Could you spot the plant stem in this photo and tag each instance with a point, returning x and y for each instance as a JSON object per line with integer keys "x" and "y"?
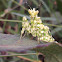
{"x": 22, "y": 21}
{"x": 18, "y": 54}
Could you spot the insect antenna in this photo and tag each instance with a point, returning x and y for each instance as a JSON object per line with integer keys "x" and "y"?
{"x": 28, "y": 5}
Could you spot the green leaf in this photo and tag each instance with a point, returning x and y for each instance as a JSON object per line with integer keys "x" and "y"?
{"x": 52, "y": 53}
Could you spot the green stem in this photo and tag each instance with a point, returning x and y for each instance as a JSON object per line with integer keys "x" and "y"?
{"x": 18, "y": 54}
{"x": 6, "y": 20}
{"x": 53, "y": 25}
{"x": 50, "y": 4}
{"x": 20, "y": 5}
{"x": 22, "y": 21}
{"x": 4, "y": 3}
{"x": 5, "y": 23}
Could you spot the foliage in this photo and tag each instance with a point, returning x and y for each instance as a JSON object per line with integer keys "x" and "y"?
{"x": 11, "y": 13}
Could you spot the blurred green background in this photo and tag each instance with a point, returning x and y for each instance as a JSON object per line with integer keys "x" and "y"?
{"x": 12, "y": 11}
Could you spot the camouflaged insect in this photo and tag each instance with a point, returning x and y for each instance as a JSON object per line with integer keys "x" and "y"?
{"x": 36, "y": 27}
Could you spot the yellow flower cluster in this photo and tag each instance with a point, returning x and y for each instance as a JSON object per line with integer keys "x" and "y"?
{"x": 36, "y": 28}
